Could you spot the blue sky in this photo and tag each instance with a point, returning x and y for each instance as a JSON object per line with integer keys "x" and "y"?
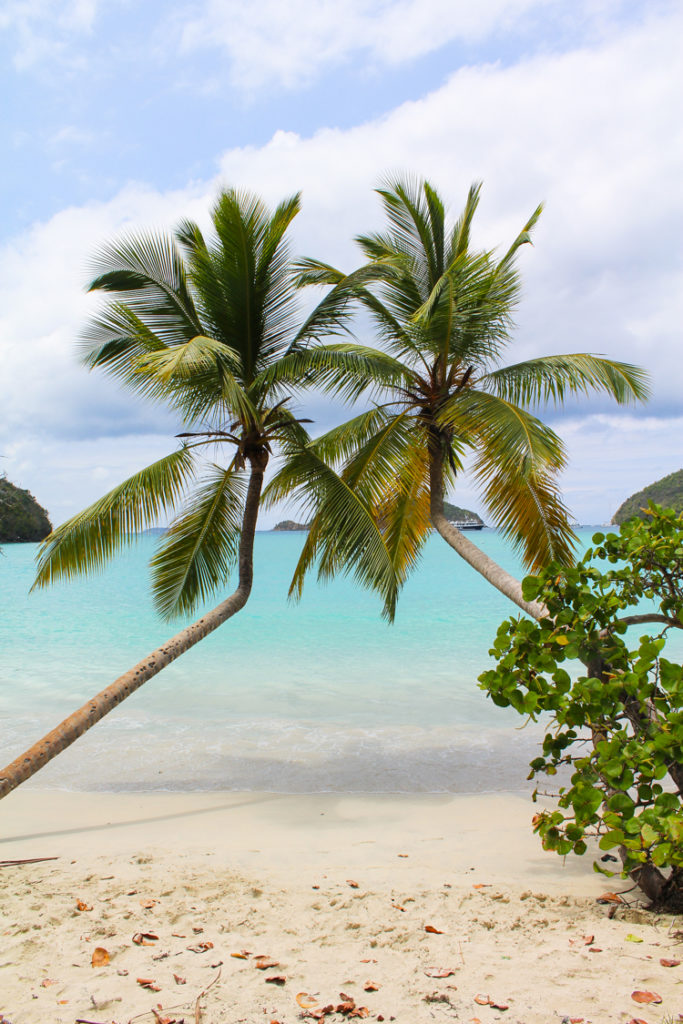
{"x": 124, "y": 114}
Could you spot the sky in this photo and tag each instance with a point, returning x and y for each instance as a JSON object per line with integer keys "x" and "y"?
{"x": 121, "y": 115}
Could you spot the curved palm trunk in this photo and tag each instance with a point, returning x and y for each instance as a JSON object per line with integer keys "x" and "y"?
{"x": 58, "y": 739}
{"x": 474, "y": 556}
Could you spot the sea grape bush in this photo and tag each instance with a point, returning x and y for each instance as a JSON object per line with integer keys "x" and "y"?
{"x": 617, "y": 725}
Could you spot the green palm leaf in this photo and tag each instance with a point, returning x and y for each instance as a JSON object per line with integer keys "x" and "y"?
{"x": 344, "y": 536}
{"x": 85, "y": 542}
{"x": 200, "y": 547}
{"x": 553, "y": 378}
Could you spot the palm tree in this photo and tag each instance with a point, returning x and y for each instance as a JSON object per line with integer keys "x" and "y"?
{"x": 443, "y": 314}
{"x": 198, "y": 325}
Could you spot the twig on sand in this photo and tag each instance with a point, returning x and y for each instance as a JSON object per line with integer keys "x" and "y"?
{"x": 179, "y": 1006}
{"x": 197, "y": 1007}
{"x": 26, "y": 860}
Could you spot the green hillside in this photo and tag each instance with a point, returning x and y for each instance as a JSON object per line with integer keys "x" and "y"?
{"x": 460, "y": 515}
{"x": 667, "y": 492}
{"x": 21, "y": 517}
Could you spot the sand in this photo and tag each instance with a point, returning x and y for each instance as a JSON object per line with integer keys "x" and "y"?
{"x": 337, "y": 892}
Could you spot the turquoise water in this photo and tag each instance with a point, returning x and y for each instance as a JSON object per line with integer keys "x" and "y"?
{"x": 317, "y": 696}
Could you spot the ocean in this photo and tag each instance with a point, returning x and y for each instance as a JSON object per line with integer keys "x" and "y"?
{"x": 317, "y": 696}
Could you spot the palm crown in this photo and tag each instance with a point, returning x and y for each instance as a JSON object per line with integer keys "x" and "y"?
{"x": 443, "y": 313}
{"x": 198, "y": 325}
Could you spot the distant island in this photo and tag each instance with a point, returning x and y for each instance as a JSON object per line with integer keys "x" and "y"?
{"x": 289, "y": 526}
{"x": 460, "y": 516}
{"x": 21, "y": 517}
{"x": 667, "y": 492}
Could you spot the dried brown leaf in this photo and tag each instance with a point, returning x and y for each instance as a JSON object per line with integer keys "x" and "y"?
{"x": 201, "y": 947}
{"x": 432, "y": 930}
{"x": 305, "y": 1000}
{"x": 670, "y": 963}
{"x": 100, "y": 957}
{"x": 148, "y": 904}
{"x": 145, "y": 938}
{"x": 482, "y": 1000}
{"x": 276, "y": 979}
{"x": 645, "y": 997}
{"x": 609, "y": 897}
{"x": 262, "y": 963}
{"x": 46, "y": 982}
{"x": 80, "y": 905}
{"x": 370, "y": 986}
{"x": 149, "y": 983}
{"x": 179, "y": 980}
{"x": 439, "y": 972}
{"x": 350, "y": 881}
{"x": 243, "y": 954}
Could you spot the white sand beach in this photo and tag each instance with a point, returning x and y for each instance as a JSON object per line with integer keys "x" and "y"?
{"x": 413, "y": 908}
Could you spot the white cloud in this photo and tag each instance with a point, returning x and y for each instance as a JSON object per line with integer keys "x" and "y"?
{"x": 45, "y": 30}
{"x": 590, "y": 132}
{"x": 290, "y": 42}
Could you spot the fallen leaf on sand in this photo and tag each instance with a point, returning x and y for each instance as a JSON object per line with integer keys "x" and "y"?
{"x": 100, "y": 957}
{"x": 179, "y": 980}
{"x": 305, "y": 1000}
{"x": 432, "y": 931}
{"x": 633, "y": 938}
{"x": 670, "y": 963}
{"x": 350, "y": 881}
{"x": 482, "y": 885}
{"x": 145, "y": 938}
{"x": 439, "y": 972}
{"x": 123, "y": 972}
{"x": 499, "y": 1006}
{"x": 595, "y": 949}
{"x": 276, "y": 979}
{"x": 262, "y": 963}
{"x": 401, "y": 854}
{"x": 637, "y": 1020}
{"x": 482, "y": 1000}
{"x": 609, "y": 897}
{"x": 201, "y": 947}
{"x": 149, "y": 983}
{"x": 178, "y": 935}
{"x": 80, "y": 905}
{"x": 368, "y": 960}
{"x": 370, "y": 986}
{"x": 148, "y": 904}
{"x": 645, "y": 997}
{"x": 397, "y": 906}
{"x": 243, "y": 954}
{"x": 46, "y": 982}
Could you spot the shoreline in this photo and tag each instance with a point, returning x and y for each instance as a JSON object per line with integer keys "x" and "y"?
{"x": 430, "y": 900}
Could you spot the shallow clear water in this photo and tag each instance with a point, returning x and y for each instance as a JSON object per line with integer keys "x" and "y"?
{"x": 320, "y": 695}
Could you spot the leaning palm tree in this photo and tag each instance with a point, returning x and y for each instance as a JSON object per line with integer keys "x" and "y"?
{"x": 443, "y": 315}
{"x": 199, "y": 325}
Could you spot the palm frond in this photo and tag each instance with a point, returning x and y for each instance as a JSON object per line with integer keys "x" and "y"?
{"x": 344, "y": 537}
{"x": 516, "y": 463}
{"x": 404, "y": 509}
{"x": 200, "y": 548}
{"x": 343, "y": 368}
{"x": 85, "y": 542}
{"x": 553, "y": 378}
{"x": 147, "y": 269}
{"x": 339, "y": 444}
{"x": 199, "y": 378}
